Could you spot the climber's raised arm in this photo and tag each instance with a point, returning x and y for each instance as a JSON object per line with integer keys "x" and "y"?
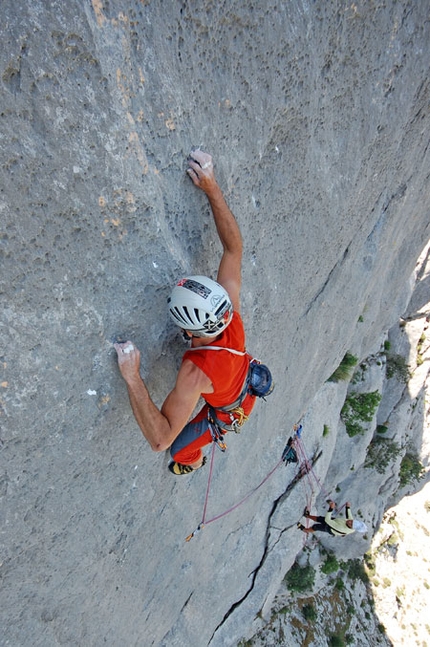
{"x": 229, "y": 273}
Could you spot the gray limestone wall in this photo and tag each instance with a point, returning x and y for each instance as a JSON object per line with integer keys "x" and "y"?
{"x": 317, "y": 117}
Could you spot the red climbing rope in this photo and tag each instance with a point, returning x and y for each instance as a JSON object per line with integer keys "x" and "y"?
{"x": 301, "y": 451}
{"x": 211, "y": 467}
{"x": 205, "y": 522}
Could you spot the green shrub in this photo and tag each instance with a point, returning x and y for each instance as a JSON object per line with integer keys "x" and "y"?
{"x": 339, "y": 585}
{"x": 411, "y": 469}
{"x": 353, "y": 428}
{"x": 380, "y": 453}
{"x": 359, "y": 408}
{"x": 326, "y": 431}
{"x": 331, "y": 565}
{"x": 336, "y": 641}
{"x": 420, "y": 358}
{"x": 382, "y": 429}
{"x": 356, "y": 570}
{"x": 344, "y": 370}
{"x": 309, "y": 612}
{"x": 397, "y": 367}
{"x": 369, "y": 560}
{"x": 300, "y": 579}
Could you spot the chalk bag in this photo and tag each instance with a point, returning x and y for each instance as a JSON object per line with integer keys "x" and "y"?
{"x": 261, "y": 383}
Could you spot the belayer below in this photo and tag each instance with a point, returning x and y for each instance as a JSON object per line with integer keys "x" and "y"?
{"x": 337, "y": 526}
{"x": 217, "y": 366}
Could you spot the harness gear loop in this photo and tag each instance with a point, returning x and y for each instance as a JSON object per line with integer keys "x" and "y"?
{"x": 218, "y": 427}
{"x": 216, "y": 432}
{"x": 237, "y": 422}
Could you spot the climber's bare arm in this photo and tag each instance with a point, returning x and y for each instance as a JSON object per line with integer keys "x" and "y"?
{"x": 160, "y": 428}
{"x": 229, "y": 273}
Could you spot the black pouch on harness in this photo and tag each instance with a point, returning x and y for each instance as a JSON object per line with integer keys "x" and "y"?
{"x": 260, "y": 380}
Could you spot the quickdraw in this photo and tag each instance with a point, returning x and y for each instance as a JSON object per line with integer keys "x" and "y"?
{"x": 216, "y": 433}
{"x": 194, "y": 533}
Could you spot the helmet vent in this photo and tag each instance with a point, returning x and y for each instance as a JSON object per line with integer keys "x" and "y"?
{"x": 190, "y": 319}
{"x": 178, "y": 315}
{"x": 223, "y": 306}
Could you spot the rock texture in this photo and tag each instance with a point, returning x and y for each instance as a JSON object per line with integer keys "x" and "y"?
{"x": 317, "y": 117}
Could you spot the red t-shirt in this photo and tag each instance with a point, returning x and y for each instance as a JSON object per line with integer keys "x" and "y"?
{"x": 226, "y": 371}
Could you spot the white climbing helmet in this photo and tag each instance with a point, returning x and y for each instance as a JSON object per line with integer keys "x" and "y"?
{"x": 200, "y": 305}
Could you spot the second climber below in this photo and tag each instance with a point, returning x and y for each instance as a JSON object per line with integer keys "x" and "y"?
{"x": 337, "y": 526}
{"x": 216, "y": 366}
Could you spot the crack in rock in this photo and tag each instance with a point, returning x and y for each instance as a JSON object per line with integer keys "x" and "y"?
{"x": 281, "y": 498}
{"x": 327, "y": 281}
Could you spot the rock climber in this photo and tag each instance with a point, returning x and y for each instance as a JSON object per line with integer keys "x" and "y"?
{"x": 208, "y": 312}
{"x": 338, "y": 526}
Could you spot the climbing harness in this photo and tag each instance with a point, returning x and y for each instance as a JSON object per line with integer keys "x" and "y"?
{"x": 237, "y": 418}
{"x": 288, "y": 456}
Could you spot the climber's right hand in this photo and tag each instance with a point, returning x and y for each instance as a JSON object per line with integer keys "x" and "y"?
{"x": 201, "y": 170}
{"x": 128, "y": 360}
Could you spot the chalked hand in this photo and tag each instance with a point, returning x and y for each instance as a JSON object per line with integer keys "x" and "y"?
{"x": 201, "y": 170}
{"x": 128, "y": 359}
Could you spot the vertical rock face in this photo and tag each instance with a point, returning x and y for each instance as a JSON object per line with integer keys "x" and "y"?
{"x": 317, "y": 117}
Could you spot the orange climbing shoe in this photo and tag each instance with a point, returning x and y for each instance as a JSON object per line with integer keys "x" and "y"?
{"x": 178, "y": 469}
